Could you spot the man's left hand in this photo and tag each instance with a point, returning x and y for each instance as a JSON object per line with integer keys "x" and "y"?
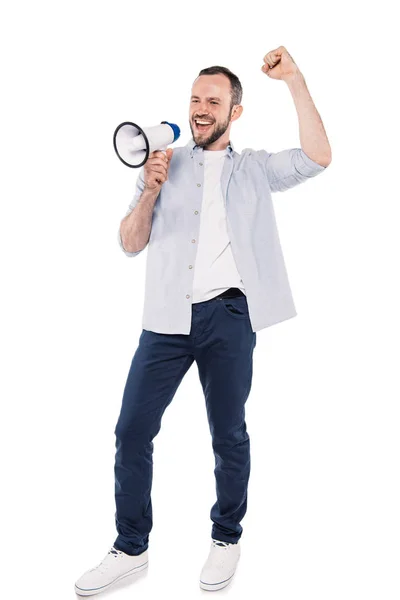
{"x": 279, "y": 64}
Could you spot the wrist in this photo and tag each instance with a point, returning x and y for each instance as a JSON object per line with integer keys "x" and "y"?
{"x": 151, "y": 193}
{"x": 294, "y": 79}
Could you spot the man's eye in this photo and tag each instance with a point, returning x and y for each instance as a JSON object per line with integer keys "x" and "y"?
{"x": 212, "y": 102}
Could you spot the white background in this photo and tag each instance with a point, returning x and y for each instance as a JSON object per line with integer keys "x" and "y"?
{"x": 323, "y": 413}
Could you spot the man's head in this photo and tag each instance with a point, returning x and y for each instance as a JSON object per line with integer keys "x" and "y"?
{"x": 216, "y": 97}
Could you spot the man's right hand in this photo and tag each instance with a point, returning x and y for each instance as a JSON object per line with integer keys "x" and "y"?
{"x": 156, "y": 169}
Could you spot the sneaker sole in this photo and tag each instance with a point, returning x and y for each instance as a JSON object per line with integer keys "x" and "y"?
{"x": 92, "y": 591}
{"x": 211, "y": 587}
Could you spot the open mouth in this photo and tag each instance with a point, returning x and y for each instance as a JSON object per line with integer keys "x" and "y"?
{"x": 202, "y": 126}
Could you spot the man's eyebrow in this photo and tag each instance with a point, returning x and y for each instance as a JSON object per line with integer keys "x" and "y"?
{"x": 210, "y": 98}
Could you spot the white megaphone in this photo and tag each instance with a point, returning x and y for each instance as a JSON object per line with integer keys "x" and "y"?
{"x": 133, "y": 144}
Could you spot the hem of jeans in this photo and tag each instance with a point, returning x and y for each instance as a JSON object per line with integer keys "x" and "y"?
{"x": 124, "y": 548}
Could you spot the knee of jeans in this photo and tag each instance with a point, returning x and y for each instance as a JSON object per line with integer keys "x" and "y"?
{"x": 136, "y": 432}
{"x": 124, "y": 432}
{"x": 230, "y": 439}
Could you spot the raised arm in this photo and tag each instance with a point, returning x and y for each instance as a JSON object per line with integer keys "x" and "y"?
{"x": 292, "y": 166}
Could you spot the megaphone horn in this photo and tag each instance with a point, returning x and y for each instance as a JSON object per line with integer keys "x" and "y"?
{"x": 133, "y": 144}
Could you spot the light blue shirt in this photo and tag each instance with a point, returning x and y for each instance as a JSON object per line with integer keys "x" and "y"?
{"x": 247, "y": 181}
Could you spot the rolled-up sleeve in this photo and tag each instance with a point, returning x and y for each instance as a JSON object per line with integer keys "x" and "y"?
{"x": 288, "y": 168}
{"x": 133, "y": 203}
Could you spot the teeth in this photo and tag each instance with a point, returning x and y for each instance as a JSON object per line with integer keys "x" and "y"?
{"x": 203, "y": 122}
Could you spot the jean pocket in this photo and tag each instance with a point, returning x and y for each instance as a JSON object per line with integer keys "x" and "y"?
{"x": 236, "y": 307}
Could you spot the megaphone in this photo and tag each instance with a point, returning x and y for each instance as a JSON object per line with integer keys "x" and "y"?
{"x": 133, "y": 144}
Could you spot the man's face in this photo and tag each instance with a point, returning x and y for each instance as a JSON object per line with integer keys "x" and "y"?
{"x": 210, "y": 101}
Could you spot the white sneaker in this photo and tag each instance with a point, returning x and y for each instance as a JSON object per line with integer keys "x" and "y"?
{"x": 115, "y": 566}
{"x": 220, "y": 566}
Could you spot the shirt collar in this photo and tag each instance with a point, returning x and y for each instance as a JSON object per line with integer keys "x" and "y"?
{"x": 193, "y": 147}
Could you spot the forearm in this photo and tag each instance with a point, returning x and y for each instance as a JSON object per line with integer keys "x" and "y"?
{"x": 313, "y": 138}
{"x": 135, "y": 228}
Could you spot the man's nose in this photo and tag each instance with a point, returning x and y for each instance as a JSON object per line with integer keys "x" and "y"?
{"x": 202, "y": 109}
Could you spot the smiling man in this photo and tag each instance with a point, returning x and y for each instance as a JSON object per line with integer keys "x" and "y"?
{"x": 211, "y": 130}
{"x": 215, "y": 276}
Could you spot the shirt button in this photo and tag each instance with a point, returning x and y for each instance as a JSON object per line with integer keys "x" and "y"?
{"x": 193, "y": 241}
{"x": 201, "y": 164}
{"x": 187, "y": 296}
{"x": 196, "y": 212}
{"x": 199, "y": 185}
{"x": 190, "y": 267}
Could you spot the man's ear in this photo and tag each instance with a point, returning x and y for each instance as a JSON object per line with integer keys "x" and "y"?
{"x": 237, "y": 111}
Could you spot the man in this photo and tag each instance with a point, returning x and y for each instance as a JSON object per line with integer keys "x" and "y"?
{"x": 215, "y": 275}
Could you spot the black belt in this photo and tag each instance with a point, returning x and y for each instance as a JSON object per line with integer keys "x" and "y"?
{"x": 231, "y": 293}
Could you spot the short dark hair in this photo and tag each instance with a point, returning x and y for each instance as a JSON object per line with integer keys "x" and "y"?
{"x": 236, "y": 86}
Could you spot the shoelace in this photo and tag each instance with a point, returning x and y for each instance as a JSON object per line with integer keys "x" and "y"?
{"x": 219, "y": 543}
{"x": 114, "y": 551}
{"x": 225, "y": 546}
{"x": 103, "y": 564}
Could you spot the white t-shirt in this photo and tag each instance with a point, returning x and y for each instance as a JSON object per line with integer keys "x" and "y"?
{"x": 215, "y": 268}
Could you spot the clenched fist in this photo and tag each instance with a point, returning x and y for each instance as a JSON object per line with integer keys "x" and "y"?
{"x": 156, "y": 169}
{"x": 279, "y": 64}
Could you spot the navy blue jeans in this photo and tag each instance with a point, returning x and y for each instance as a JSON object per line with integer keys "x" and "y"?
{"x": 221, "y": 341}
